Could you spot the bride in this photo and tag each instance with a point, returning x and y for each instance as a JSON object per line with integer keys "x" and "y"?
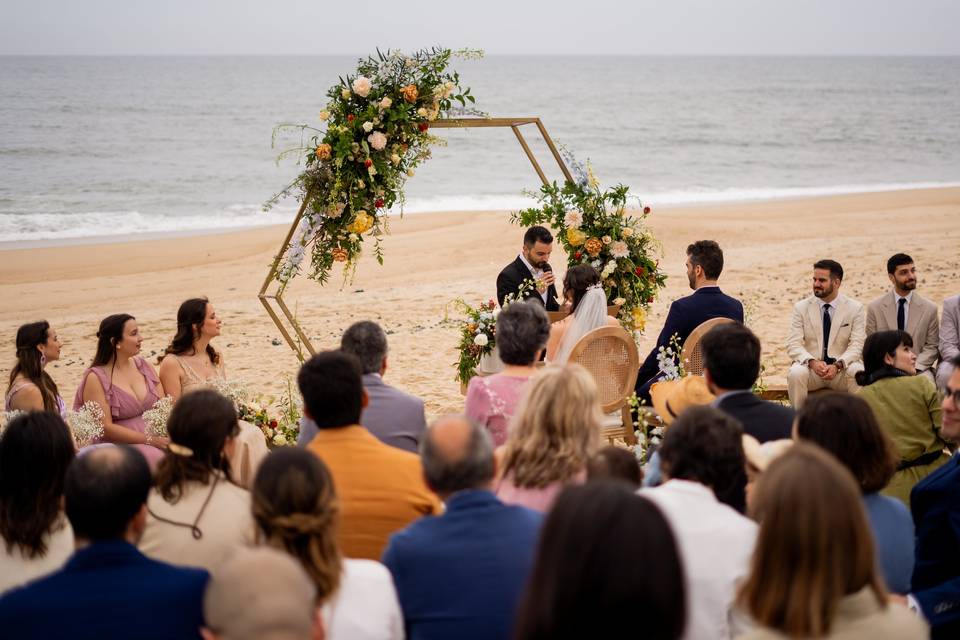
{"x": 588, "y": 311}
{"x": 191, "y": 362}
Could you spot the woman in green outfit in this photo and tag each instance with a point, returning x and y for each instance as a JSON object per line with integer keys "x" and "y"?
{"x": 906, "y": 405}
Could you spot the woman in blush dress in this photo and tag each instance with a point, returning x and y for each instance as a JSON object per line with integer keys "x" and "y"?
{"x": 522, "y": 330}
{"x": 31, "y": 388}
{"x": 124, "y": 385}
{"x": 191, "y": 362}
{"x": 588, "y": 311}
{"x": 553, "y": 436}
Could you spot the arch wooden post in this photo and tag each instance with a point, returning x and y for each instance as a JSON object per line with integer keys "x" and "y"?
{"x": 271, "y": 293}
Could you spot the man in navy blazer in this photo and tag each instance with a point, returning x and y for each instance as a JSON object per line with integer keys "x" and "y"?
{"x": 461, "y": 574}
{"x": 704, "y": 265}
{"x": 935, "y": 503}
{"x": 394, "y": 417}
{"x": 107, "y": 589}
{"x": 731, "y": 364}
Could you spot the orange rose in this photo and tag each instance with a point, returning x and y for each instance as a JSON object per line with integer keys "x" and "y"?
{"x": 593, "y": 247}
{"x": 324, "y": 151}
{"x": 339, "y": 255}
{"x": 410, "y": 93}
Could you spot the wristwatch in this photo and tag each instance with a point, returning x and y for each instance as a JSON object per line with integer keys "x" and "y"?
{"x": 841, "y": 365}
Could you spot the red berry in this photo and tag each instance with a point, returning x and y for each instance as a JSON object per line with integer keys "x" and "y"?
{"x": 646, "y": 209}
{"x": 350, "y": 117}
{"x": 423, "y": 126}
{"x": 273, "y": 423}
{"x": 379, "y": 203}
{"x": 577, "y": 255}
{"x": 368, "y": 162}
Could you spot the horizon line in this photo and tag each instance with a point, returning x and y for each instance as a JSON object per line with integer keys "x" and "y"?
{"x": 487, "y": 55}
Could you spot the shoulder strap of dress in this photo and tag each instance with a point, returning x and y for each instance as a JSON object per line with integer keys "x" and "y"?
{"x": 187, "y": 369}
{"x": 16, "y": 388}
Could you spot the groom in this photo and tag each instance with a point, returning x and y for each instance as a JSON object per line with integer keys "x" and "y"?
{"x": 531, "y": 264}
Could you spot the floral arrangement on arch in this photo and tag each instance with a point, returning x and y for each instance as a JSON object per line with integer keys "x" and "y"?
{"x": 377, "y": 133}
{"x": 595, "y": 227}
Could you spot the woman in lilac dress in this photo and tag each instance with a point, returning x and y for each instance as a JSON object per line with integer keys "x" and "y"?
{"x": 522, "y": 331}
{"x": 553, "y": 437}
{"x": 124, "y": 385}
{"x": 31, "y": 388}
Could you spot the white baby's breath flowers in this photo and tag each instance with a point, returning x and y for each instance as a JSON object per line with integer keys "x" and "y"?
{"x": 368, "y": 126}
{"x": 481, "y": 340}
{"x": 377, "y": 140}
{"x": 361, "y": 86}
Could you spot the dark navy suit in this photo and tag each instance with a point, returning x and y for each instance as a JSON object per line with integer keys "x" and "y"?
{"x": 761, "y": 419}
{"x": 935, "y": 503}
{"x": 684, "y": 316}
{"x": 108, "y": 590}
{"x": 461, "y": 575}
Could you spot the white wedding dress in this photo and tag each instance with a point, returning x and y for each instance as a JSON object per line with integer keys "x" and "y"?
{"x": 590, "y": 314}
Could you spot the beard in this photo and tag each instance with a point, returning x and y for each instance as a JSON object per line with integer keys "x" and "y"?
{"x": 823, "y": 293}
{"x": 692, "y": 279}
{"x": 909, "y": 285}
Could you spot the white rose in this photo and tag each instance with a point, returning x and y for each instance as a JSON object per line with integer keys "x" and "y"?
{"x": 368, "y": 126}
{"x": 324, "y": 115}
{"x": 280, "y": 440}
{"x": 619, "y": 301}
{"x": 361, "y": 86}
{"x": 377, "y": 140}
{"x": 372, "y": 170}
{"x": 422, "y": 112}
{"x": 385, "y": 103}
{"x": 481, "y": 340}
{"x": 606, "y": 239}
{"x": 345, "y": 93}
{"x": 626, "y": 232}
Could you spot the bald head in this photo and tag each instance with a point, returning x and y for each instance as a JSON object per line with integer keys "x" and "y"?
{"x": 456, "y": 455}
{"x": 105, "y": 490}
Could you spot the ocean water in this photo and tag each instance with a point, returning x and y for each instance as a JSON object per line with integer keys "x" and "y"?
{"x": 93, "y": 146}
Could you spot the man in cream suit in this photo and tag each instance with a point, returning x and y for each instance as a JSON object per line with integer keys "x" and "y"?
{"x": 826, "y": 337}
{"x": 949, "y": 339}
{"x": 903, "y": 309}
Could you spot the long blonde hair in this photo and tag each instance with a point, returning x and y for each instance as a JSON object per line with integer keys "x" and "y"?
{"x": 556, "y": 428}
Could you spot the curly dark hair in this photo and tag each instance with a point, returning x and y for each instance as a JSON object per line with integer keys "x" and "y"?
{"x": 577, "y": 280}
{"x": 190, "y": 317}
{"x": 35, "y": 451}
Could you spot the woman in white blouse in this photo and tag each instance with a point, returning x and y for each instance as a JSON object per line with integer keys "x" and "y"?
{"x": 295, "y": 509}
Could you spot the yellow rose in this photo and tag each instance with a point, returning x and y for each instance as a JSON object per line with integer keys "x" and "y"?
{"x": 576, "y": 237}
{"x": 639, "y": 318}
{"x": 361, "y": 223}
{"x": 323, "y": 151}
{"x": 626, "y": 232}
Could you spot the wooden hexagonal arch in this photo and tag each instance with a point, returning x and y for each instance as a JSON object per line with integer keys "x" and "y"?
{"x": 281, "y": 315}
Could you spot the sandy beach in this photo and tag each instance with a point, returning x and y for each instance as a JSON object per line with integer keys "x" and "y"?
{"x": 433, "y": 258}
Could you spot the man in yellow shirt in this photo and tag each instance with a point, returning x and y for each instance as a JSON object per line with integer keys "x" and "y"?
{"x": 380, "y": 488}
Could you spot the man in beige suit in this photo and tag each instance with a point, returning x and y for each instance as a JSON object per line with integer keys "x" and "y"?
{"x": 903, "y": 309}
{"x": 826, "y": 337}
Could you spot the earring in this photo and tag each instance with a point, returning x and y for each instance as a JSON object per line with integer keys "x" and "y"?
{"x": 43, "y": 359}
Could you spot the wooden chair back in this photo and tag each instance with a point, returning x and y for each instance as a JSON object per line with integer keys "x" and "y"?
{"x": 692, "y": 355}
{"x": 610, "y": 355}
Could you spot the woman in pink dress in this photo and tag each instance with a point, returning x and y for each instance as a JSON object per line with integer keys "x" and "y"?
{"x": 191, "y": 362}
{"x": 31, "y": 388}
{"x": 124, "y": 385}
{"x": 522, "y": 330}
{"x": 554, "y": 434}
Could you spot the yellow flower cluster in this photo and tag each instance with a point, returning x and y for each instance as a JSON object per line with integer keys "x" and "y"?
{"x": 639, "y": 318}
{"x": 362, "y": 223}
{"x": 575, "y": 237}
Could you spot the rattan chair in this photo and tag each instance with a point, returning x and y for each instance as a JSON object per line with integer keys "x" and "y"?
{"x": 610, "y": 355}
{"x": 692, "y": 355}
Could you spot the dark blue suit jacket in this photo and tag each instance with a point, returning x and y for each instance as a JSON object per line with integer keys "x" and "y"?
{"x": 108, "y": 590}
{"x": 763, "y": 420}
{"x": 935, "y": 503}
{"x": 684, "y": 316}
{"x": 461, "y": 575}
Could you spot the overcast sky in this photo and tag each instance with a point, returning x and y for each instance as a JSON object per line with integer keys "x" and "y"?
{"x": 632, "y": 27}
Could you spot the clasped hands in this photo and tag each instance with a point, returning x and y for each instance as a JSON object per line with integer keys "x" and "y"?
{"x": 544, "y": 281}
{"x": 824, "y": 370}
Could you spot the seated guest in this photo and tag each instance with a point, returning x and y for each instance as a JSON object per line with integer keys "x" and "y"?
{"x": 531, "y": 264}
{"x": 554, "y": 434}
{"x": 935, "y": 587}
{"x": 461, "y": 574}
{"x": 704, "y": 264}
{"x": 907, "y": 407}
{"x": 847, "y": 428}
{"x": 813, "y": 573}
{"x": 826, "y": 337}
{"x": 904, "y": 310}
{"x": 587, "y": 581}
{"x": 588, "y": 311}
{"x": 394, "y": 417}
{"x": 731, "y": 364}
{"x": 522, "y": 330}
{"x": 196, "y": 515}
{"x": 260, "y": 593}
{"x": 108, "y": 589}
{"x": 124, "y": 384}
{"x": 949, "y": 339}
{"x": 31, "y": 388}
{"x": 191, "y": 362}
{"x": 702, "y": 458}
{"x": 295, "y": 507}
{"x": 380, "y": 487}
{"x": 670, "y": 399}
{"x": 615, "y": 463}
{"x": 35, "y": 450}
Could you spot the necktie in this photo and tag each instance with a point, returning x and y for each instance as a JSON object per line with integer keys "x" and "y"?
{"x": 901, "y": 314}
{"x": 826, "y": 332}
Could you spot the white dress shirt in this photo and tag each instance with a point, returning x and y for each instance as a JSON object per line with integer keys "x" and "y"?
{"x": 365, "y": 607}
{"x": 715, "y": 544}
{"x": 537, "y": 275}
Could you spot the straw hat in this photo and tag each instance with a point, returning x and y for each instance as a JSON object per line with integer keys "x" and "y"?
{"x": 671, "y": 397}
{"x": 761, "y": 455}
